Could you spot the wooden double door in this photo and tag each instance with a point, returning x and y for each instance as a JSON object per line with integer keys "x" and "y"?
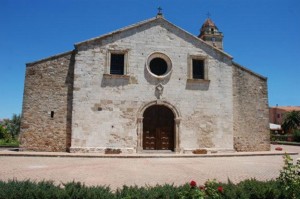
{"x": 158, "y": 128}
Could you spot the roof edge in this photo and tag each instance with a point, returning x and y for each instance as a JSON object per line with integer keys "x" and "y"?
{"x": 117, "y": 31}
{"x": 49, "y": 58}
{"x": 296, "y": 108}
{"x": 147, "y": 21}
{"x": 199, "y": 39}
{"x": 249, "y": 71}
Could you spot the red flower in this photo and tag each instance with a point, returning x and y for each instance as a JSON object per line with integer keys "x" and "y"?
{"x": 202, "y": 188}
{"x": 220, "y": 189}
{"x": 278, "y": 148}
{"x": 193, "y": 183}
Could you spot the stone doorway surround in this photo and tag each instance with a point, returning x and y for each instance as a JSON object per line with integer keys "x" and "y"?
{"x": 177, "y": 120}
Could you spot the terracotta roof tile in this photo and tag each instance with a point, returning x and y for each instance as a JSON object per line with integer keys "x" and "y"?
{"x": 288, "y": 108}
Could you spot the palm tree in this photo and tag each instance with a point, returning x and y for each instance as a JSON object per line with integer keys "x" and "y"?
{"x": 291, "y": 121}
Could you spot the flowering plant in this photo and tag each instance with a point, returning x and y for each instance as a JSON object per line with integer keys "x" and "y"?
{"x": 193, "y": 184}
{"x": 211, "y": 189}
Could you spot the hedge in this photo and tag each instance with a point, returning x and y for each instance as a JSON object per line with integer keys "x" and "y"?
{"x": 287, "y": 185}
{"x": 252, "y": 189}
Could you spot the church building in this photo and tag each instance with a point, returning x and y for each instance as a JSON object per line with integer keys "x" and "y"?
{"x": 148, "y": 87}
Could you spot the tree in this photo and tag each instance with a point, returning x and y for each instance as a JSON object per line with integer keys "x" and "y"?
{"x": 12, "y": 126}
{"x": 4, "y": 134}
{"x": 291, "y": 121}
{"x": 15, "y": 125}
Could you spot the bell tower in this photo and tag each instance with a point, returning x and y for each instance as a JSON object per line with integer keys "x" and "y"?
{"x": 211, "y": 34}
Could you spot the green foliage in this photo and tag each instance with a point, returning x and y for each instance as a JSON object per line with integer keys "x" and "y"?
{"x": 12, "y": 125}
{"x": 9, "y": 142}
{"x": 15, "y": 125}
{"x": 291, "y": 121}
{"x": 27, "y": 189}
{"x": 281, "y": 137}
{"x": 77, "y": 190}
{"x": 252, "y": 189}
{"x": 211, "y": 190}
{"x": 48, "y": 190}
{"x": 296, "y": 135}
{"x": 192, "y": 192}
{"x": 287, "y": 185}
{"x": 289, "y": 177}
{"x": 287, "y": 143}
{"x": 148, "y": 192}
{"x": 9, "y": 131}
{"x": 4, "y": 134}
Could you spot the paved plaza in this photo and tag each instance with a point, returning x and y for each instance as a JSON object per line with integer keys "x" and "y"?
{"x": 117, "y": 172}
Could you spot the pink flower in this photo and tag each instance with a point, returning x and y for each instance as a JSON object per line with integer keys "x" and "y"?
{"x": 193, "y": 183}
{"x": 220, "y": 189}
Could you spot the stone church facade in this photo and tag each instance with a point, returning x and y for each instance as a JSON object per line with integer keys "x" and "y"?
{"x": 147, "y": 87}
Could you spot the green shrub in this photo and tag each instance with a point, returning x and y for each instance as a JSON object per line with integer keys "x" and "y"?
{"x": 296, "y": 135}
{"x": 287, "y": 185}
{"x": 289, "y": 178}
{"x": 1, "y": 132}
{"x": 10, "y": 127}
{"x": 77, "y": 190}
{"x": 47, "y": 190}
{"x": 286, "y": 137}
{"x": 26, "y": 189}
{"x": 9, "y": 142}
{"x": 210, "y": 190}
{"x": 148, "y": 192}
{"x": 5, "y": 136}
{"x": 252, "y": 189}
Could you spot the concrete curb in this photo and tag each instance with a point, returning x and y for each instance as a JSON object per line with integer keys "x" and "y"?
{"x": 89, "y": 155}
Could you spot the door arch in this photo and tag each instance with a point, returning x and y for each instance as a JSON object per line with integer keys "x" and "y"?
{"x": 158, "y": 128}
{"x": 140, "y": 120}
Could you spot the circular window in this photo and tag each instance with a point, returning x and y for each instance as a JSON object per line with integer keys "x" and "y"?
{"x": 159, "y": 65}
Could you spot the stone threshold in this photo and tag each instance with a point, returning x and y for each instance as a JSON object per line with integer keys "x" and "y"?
{"x": 141, "y": 155}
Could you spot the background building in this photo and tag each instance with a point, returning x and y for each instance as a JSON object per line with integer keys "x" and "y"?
{"x": 277, "y": 113}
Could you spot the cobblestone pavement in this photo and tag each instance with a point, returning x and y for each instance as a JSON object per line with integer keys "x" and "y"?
{"x": 142, "y": 171}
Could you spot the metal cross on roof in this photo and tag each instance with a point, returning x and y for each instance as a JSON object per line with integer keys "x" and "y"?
{"x": 208, "y": 15}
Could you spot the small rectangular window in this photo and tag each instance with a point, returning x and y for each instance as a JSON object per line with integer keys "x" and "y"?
{"x": 117, "y": 64}
{"x": 198, "y": 69}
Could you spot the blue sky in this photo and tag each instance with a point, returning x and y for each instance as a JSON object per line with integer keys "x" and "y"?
{"x": 263, "y": 35}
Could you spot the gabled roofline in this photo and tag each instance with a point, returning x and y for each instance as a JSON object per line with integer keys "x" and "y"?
{"x": 201, "y": 40}
{"x": 49, "y": 58}
{"x": 249, "y": 71}
{"x": 116, "y": 31}
{"x": 148, "y": 21}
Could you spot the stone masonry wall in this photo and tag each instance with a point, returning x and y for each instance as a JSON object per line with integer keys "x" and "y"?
{"x": 48, "y": 88}
{"x": 105, "y": 107}
{"x": 251, "y": 114}
{"x": 71, "y": 97}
